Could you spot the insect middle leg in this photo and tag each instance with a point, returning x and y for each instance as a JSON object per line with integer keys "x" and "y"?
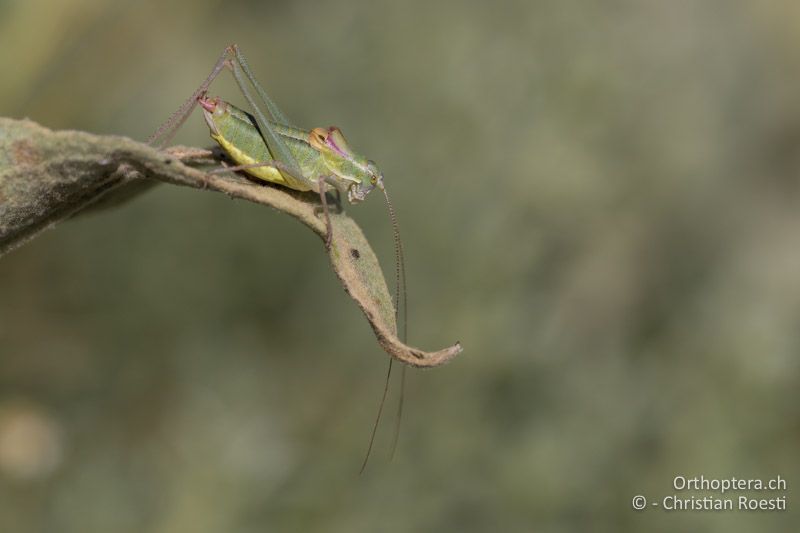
{"x": 324, "y": 197}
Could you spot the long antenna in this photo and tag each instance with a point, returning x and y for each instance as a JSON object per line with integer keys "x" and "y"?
{"x": 399, "y": 416}
{"x": 400, "y": 266}
{"x": 378, "y": 418}
{"x": 399, "y": 291}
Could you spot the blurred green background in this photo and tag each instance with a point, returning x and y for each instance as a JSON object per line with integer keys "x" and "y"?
{"x": 599, "y": 199}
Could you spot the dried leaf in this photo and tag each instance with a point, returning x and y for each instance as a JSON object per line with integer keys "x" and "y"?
{"x": 47, "y": 177}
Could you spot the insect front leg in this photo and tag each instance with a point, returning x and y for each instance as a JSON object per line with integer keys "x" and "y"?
{"x": 321, "y": 182}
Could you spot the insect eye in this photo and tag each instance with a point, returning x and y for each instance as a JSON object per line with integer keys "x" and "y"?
{"x": 373, "y": 180}
{"x": 318, "y": 137}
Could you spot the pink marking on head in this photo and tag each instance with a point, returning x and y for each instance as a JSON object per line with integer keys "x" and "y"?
{"x": 331, "y": 144}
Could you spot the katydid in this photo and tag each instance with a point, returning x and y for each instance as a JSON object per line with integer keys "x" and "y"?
{"x": 265, "y": 145}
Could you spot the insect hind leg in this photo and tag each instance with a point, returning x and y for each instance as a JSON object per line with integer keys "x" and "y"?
{"x": 167, "y": 130}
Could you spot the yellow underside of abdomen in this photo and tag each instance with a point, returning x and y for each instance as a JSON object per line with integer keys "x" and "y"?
{"x": 265, "y": 173}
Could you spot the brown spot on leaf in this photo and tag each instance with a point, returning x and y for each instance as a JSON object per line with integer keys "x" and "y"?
{"x": 24, "y": 153}
{"x": 355, "y": 253}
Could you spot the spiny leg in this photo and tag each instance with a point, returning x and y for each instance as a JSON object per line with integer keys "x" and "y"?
{"x": 167, "y": 130}
{"x": 232, "y": 58}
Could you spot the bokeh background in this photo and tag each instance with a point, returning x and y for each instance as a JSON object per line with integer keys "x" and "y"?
{"x": 599, "y": 199}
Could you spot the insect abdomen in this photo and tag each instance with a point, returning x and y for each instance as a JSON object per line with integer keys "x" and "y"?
{"x": 240, "y": 138}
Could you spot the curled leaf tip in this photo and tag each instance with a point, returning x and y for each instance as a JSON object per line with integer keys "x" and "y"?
{"x": 48, "y": 176}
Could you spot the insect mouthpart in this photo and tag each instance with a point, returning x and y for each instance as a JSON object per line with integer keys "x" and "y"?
{"x": 358, "y": 191}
